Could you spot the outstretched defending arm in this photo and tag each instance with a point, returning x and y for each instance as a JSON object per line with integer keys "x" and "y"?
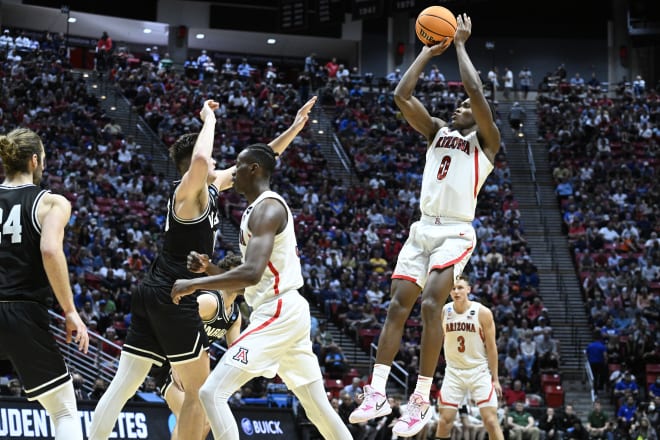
{"x": 223, "y": 178}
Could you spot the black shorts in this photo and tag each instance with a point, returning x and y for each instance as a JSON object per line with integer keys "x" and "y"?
{"x": 26, "y": 340}
{"x": 162, "y": 330}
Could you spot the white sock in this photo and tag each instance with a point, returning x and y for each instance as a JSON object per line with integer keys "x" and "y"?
{"x": 61, "y": 407}
{"x": 423, "y": 387}
{"x": 317, "y": 407}
{"x": 130, "y": 374}
{"x": 379, "y": 377}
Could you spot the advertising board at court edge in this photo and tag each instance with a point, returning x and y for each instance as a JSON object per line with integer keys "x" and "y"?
{"x": 22, "y": 420}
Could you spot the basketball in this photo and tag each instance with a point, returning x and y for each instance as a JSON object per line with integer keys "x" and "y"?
{"x": 434, "y": 24}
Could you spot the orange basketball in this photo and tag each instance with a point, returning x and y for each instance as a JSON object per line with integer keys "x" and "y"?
{"x": 434, "y": 24}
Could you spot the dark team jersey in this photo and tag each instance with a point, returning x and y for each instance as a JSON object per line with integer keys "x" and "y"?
{"x": 217, "y": 327}
{"x": 181, "y": 237}
{"x": 22, "y": 274}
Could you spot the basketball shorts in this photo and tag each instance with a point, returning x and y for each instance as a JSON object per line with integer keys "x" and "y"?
{"x": 162, "y": 330}
{"x": 435, "y": 243}
{"x": 26, "y": 340}
{"x": 459, "y": 383}
{"x": 277, "y": 341}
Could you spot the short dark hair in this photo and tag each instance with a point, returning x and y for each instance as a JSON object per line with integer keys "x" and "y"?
{"x": 262, "y": 154}
{"x": 182, "y": 149}
{"x": 463, "y": 278}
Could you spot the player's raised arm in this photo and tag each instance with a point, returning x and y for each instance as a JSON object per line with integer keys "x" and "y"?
{"x": 488, "y": 132}
{"x": 223, "y": 178}
{"x": 194, "y": 182}
{"x": 413, "y": 110}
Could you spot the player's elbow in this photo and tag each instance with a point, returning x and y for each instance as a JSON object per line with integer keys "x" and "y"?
{"x": 49, "y": 250}
{"x": 200, "y": 158}
{"x": 399, "y": 98}
{"x": 252, "y": 275}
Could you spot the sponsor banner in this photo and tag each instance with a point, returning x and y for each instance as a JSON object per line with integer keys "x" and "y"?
{"x": 20, "y": 419}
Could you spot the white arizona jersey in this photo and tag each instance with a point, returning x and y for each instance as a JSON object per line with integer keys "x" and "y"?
{"x": 283, "y": 272}
{"x": 456, "y": 168}
{"x": 464, "y": 338}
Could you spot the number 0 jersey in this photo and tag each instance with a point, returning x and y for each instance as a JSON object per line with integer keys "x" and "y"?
{"x": 464, "y": 338}
{"x": 456, "y": 168}
{"x": 22, "y": 274}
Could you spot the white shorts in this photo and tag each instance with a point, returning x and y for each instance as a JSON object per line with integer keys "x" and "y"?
{"x": 277, "y": 341}
{"x": 435, "y": 243}
{"x": 478, "y": 382}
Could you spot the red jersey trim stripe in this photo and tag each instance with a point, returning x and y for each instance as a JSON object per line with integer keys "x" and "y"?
{"x": 476, "y": 170}
{"x": 276, "y": 284}
{"x": 262, "y": 326}
{"x": 452, "y": 262}
{"x": 489, "y": 395}
{"x": 455, "y": 405}
{"x": 405, "y": 277}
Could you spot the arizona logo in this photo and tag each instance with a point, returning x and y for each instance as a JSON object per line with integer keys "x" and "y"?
{"x": 241, "y": 356}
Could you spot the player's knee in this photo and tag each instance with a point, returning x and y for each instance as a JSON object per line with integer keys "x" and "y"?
{"x": 397, "y": 310}
{"x": 446, "y": 422}
{"x": 431, "y": 309}
{"x": 206, "y": 395}
{"x": 490, "y": 422}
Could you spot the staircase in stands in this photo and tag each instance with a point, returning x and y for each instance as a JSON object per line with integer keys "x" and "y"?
{"x": 533, "y": 187}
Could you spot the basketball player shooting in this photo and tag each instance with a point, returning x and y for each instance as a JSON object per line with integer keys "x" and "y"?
{"x": 459, "y": 157}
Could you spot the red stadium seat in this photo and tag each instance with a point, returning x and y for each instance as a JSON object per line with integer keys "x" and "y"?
{"x": 334, "y": 386}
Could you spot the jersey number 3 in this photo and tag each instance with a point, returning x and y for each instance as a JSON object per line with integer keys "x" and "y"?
{"x": 443, "y": 169}
{"x": 461, "y": 344}
{"x": 12, "y": 224}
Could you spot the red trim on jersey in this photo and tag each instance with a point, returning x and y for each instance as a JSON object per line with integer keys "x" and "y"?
{"x": 476, "y": 170}
{"x": 454, "y": 261}
{"x": 276, "y": 286}
{"x": 489, "y": 395}
{"x": 455, "y": 405}
{"x": 404, "y": 277}
{"x": 262, "y": 326}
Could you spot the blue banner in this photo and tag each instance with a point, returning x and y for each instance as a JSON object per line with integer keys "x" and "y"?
{"x": 20, "y": 419}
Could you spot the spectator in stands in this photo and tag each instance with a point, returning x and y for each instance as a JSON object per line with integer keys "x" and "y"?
{"x": 549, "y": 425}
{"x": 78, "y": 386}
{"x": 514, "y": 394}
{"x": 528, "y": 352}
{"x": 626, "y": 386}
{"x": 16, "y": 388}
{"x": 597, "y": 423}
{"x": 244, "y": 69}
{"x": 639, "y": 86}
{"x": 104, "y": 47}
{"x": 98, "y": 389}
{"x": 568, "y": 422}
{"x": 353, "y": 389}
{"x": 627, "y": 411}
{"x": 521, "y": 424}
{"x": 642, "y": 429}
{"x": 525, "y": 81}
{"x": 654, "y": 388}
{"x": 346, "y": 407}
{"x": 597, "y": 358}
{"x": 335, "y": 361}
{"x": 516, "y": 116}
